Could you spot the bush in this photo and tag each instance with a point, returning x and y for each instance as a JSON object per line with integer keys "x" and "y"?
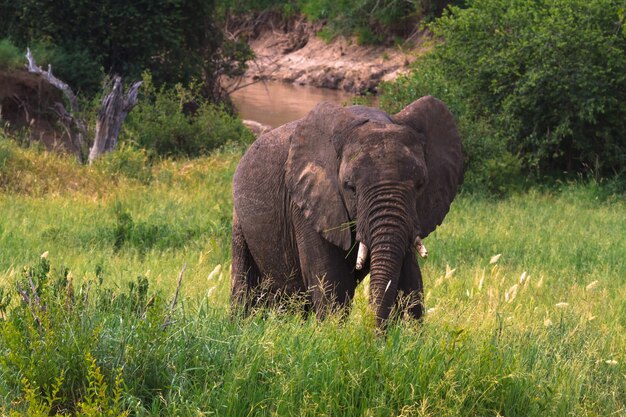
{"x": 127, "y": 161}
{"x": 552, "y": 74}
{"x": 547, "y": 78}
{"x": 178, "y": 122}
{"x": 226, "y": 8}
{"x": 370, "y": 21}
{"x": 73, "y": 65}
{"x": 489, "y": 164}
{"x": 65, "y": 375}
{"x": 10, "y": 56}
{"x": 143, "y": 235}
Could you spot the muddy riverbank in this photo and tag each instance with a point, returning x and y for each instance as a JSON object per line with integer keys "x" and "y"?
{"x": 297, "y": 55}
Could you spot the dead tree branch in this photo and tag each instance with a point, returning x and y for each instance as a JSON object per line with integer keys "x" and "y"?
{"x": 112, "y": 113}
{"x": 79, "y": 139}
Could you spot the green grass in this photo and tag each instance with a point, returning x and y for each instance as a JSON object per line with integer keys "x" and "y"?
{"x": 550, "y": 344}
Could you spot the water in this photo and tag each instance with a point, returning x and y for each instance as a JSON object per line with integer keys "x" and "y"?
{"x": 275, "y": 103}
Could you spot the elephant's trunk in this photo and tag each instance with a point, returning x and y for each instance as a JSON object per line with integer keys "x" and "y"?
{"x": 386, "y": 263}
{"x": 390, "y": 227}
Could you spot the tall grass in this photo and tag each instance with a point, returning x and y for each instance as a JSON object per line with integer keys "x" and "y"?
{"x": 538, "y": 330}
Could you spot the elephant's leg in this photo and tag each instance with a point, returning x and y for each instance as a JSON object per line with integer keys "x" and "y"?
{"x": 327, "y": 275}
{"x": 245, "y": 274}
{"x": 410, "y": 287}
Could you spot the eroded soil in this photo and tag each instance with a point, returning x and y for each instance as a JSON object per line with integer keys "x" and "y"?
{"x": 297, "y": 55}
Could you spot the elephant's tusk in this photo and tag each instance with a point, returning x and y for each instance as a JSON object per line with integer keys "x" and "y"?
{"x": 420, "y": 248}
{"x": 361, "y": 256}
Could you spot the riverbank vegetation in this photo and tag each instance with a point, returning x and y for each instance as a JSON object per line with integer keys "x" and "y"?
{"x": 525, "y": 280}
{"x": 178, "y": 48}
{"x": 538, "y": 88}
{"x": 369, "y": 21}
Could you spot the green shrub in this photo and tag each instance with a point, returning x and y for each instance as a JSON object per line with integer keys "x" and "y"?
{"x": 370, "y": 21}
{"x": 546, "y": 78}
{"x": 53, "y": 340}
{"x": 490, "y": 165}
{"x": 129, "y": 232}
{"x": 178, "y": 122}
{"x": 10, "y": 56}
{"x": 221, "y": 127}
{"x": 128, "y": 161}
{"x": 99, "y": 400}
{"x": 426, "y": 78}
{"x": 71, "y": 64}
{"x": 239, "y": 7}
{"x": 561, "y": 86}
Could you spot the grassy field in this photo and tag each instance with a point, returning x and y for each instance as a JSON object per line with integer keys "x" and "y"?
{"x": 525, "y": 297}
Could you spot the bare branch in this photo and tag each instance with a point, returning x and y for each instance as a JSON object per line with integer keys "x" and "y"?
{"x": 112, "y": 113}
{"x": 63, "y": 114}
{"x": 71, "y": 97}
{"x": 24, "y": 106}
{"x": 131, "y": 96}
{"x": 47, "y": 75}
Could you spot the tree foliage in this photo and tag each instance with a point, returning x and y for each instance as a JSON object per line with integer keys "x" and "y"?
{"x": 176, "y": 40}
{"x": 10, "y": 56}
{"x": 541, "y": 80}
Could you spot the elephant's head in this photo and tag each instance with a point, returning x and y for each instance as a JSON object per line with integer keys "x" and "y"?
{"x": 363, "y": 178}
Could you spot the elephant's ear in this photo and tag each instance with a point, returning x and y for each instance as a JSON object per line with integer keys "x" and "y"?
{"x": 312, "y": 170}
{"x": 444, "y": 158}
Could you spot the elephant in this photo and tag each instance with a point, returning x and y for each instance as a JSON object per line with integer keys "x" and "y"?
{"x": 307, "y": 194}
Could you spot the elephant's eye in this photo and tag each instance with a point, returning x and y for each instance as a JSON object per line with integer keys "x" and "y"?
{"x": 350, "y": 185}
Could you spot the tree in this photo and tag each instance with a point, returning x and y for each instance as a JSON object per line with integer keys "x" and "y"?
{"x": 176, "y": 40}
{"x": 111, "y": 115}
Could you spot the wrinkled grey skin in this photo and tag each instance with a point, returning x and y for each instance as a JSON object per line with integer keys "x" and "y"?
{"x": 306, "y": 193}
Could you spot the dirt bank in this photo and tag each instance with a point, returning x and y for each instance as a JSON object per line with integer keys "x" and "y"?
{"x": 27, "y": 102}
{"x": 297, "y": 55}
